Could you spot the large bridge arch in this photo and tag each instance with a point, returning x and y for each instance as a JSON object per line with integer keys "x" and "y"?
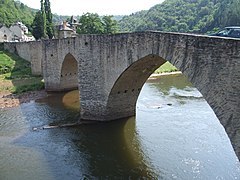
{"x": 210, "y": 64}
{"x": 125, "y": 91}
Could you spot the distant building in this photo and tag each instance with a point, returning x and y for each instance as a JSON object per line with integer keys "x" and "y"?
{"x": 17, "y": 32}
{"x": 68, "y": 29}
{"x": 5, "y": 34}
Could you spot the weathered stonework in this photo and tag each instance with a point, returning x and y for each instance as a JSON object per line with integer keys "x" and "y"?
{"x": 113, "y": 68}
{"x": 31, "y": 51}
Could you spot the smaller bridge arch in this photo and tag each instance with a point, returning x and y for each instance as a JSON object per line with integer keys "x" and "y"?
{"x": 69, "y": 73}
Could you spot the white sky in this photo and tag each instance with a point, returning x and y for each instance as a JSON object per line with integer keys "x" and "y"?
{"x": 102, "y": 7}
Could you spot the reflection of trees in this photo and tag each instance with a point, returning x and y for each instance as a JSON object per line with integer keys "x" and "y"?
{"x": 179, "y": 81}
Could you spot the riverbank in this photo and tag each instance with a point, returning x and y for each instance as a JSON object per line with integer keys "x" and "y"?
{"x": 9, "y": 100}
{"x": 165, "y": 74}
{"x": 17, "y": 84}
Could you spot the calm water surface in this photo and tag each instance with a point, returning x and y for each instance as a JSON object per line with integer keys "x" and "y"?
{"x": 175, "y": 135}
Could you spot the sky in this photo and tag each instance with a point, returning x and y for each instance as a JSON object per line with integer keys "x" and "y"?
{"x": 102, "y": 7}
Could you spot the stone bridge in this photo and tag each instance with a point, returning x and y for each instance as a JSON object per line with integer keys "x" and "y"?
{"x": 110, "y": 70}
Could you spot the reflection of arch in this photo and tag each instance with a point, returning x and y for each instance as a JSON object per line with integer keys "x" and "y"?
{"x": 124, "y": 93}
{"x": 69, "y": 73}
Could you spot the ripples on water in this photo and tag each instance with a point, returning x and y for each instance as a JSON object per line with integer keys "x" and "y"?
{"x": 175, "y": 135}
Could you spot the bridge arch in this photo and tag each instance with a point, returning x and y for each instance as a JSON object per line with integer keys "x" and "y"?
{"x": 125, "y": 91}
{"x": 69, "y": 73}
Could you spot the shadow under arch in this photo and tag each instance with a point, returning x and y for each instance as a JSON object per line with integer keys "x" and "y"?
{"x": 69, "y": 73}
{"x": 125, "y": 91}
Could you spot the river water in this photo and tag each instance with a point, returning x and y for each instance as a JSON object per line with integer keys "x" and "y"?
{"x": 175, "y": 135}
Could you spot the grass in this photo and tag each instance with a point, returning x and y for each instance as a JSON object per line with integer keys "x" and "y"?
{"x": 15, "y": 74}
{"x": 166, "y": 67}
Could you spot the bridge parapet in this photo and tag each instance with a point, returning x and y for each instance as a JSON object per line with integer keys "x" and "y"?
{"x": 30, "y": 51}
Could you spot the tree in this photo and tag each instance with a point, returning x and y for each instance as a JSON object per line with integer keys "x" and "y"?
{"x": 42, "y": 24}
{"x": 37, "y": 27}
{"x": 110, "y": 26}
{"x": 49, "y": 24}
{"x": 90, "y": 23}
{"x": 44, "y": 21}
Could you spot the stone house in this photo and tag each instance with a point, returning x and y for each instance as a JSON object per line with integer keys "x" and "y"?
{"x": 68, "y": 29}
{"x": 19, "y": 30}
{"x": 16, "y": 32}
{"x": 5, "y": 34}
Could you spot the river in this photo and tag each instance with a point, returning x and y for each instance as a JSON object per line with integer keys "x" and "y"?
{"x": 175, "y": 135}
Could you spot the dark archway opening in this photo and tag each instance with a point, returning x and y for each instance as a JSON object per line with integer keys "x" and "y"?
{"x": 69, "y": 73}
{"x": 126, "y": 89}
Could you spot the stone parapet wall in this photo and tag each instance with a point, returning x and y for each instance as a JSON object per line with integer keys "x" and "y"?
{"x": 30, "y": 51}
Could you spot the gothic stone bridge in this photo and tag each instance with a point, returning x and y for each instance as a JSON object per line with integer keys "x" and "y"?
{"x": 110, "y": 70}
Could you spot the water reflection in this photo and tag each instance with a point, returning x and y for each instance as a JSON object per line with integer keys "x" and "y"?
{"x": 166, "y": 83}
{"x": 106, "y": 150}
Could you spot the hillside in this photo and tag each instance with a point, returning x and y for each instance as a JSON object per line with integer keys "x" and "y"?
{"x": 12, "y": 11}
{"x": 198, "y": 16}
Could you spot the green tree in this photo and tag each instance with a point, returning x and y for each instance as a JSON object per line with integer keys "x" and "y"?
{"x": 185, "y": 15}
{"x": 90, "y": 23}
{"x": 44, "y": 20}
{"x": 37, "y": 28}
{"x": 110, "y": 26}
{"x": 49, "y": 24}
{"x": 12, "y": 11}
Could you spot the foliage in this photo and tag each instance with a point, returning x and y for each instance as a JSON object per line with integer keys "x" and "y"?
{"x": 42, "y": 24}
{"x": 166, "y": 67}
{"x": 12, "y": 11}
{"x": 49, "y": 24}
{"x": 37, "y": 28}
{"x": 16, "y": 65}
{"x": 44, "y": 20}
{"x": 199, "y": 16}
{"x": 6, "y": 64}
{"x": 28, "y": 87}
{"x": 110, "y": 26}
{"x": 17, "y": 78}
{"x": 92, "y": 23}
{"x": 228, "y": 13}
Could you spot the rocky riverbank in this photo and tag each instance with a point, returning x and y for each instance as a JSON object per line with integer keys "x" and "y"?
{"x": 8, "y": 100}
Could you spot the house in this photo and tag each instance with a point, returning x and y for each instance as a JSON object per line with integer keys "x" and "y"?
{"x": 16, "y": 32}
{"x": 5, "y": 34}
{"x": 65, "y": 31}
{"x": 68, "y": 29}
{"x": 19, "y": 30}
